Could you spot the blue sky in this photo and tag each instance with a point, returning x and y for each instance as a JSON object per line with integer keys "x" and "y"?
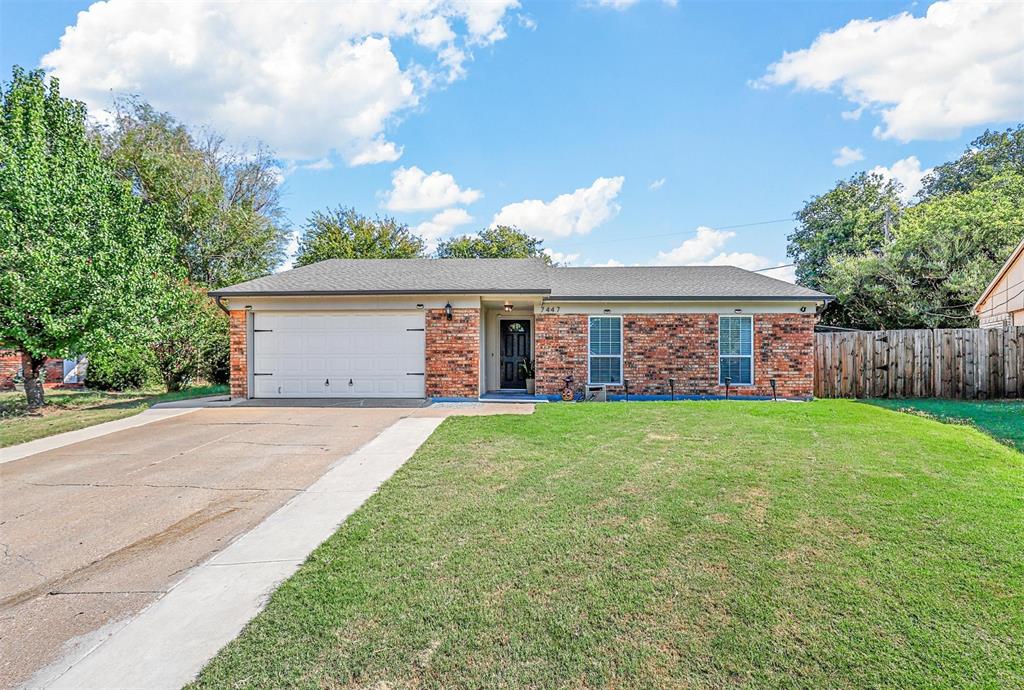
{"x": 651, "y": 120}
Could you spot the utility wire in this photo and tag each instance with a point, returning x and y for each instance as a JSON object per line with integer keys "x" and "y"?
{"x": 676, "y": 233}
{"x": 772, "y": 268}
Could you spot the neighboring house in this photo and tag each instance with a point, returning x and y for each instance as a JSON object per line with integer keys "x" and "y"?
{"x": 58, "y": 371}
{"x": 1002, "y": 302}
{"x": 458, "y": 329}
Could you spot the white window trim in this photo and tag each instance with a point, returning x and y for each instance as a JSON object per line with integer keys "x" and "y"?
{"x": 749, "y": 317}
{"x": 622, "y": 348}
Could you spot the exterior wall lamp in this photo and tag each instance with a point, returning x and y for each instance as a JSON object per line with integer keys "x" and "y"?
{"x": 448, "y": 311}
{"x": 507, "y": 307}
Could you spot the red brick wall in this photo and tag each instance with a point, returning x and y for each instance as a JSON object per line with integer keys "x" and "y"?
{"x": 453, "y": 354}
{"x": 237, "y": 330}
{"x": 10, "y": 365}
{"x": 657, "y": 347}
{"x": 560, "y": 344}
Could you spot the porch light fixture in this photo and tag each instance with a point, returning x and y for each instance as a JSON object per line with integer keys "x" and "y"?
{"x": 507, "y": 307}
{"x": 448, "y": 311}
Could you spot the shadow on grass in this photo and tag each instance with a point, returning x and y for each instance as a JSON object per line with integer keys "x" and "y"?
{"x": 1003, "y": 420}
{"x": 13, "y": 405}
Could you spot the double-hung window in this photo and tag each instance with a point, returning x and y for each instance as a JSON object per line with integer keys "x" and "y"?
{"x": 605, "y": 349}
{"x": 736, "y": 350}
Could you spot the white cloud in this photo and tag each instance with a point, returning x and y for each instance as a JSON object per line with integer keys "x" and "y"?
{"x": 306, "y": 77}
{"x": 697, "y": 249}
{"x": 926, "y": 77}
{"x": 610, "y": 263}
{"x": 576, "y": 213}
{"x": 705, "y": 249}
{"x": 527, "y": 22}
{"x": 290, "y": 250}
{"x": 845, "y": 156}
{"x": 414, "y": 190}
{"x": 322, "y": 164}
{"x": 906, "y": 171}
{"x": 626, "y": 4}
{"x": 657, "y": 184}
{"x": 442, "y": 224}
{"x": 560, "y": 258}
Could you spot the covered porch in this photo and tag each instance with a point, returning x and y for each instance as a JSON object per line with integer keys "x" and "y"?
{"x": 507, "y": 346}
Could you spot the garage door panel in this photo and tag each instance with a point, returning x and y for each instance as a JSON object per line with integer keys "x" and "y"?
{"x": 338, "y": 355}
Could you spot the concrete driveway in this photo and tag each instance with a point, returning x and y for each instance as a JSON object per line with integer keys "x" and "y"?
{"x": 93, "y": 532}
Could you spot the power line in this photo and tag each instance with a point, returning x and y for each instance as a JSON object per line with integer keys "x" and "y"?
{"x": 772, "y": 268}
{"x": 675, "y": 234}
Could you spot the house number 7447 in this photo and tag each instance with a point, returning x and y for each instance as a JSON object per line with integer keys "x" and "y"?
{"x": 551, "y": 310}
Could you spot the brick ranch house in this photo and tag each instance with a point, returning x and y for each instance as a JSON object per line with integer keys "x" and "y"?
{"x": 456, "y": 329}
{"x": 57, "y": 371}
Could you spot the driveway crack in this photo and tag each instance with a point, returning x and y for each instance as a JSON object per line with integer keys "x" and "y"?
{"x": 21, "y": 557}
{"x": 99, "y": 485}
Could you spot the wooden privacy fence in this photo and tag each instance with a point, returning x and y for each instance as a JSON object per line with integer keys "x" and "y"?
{"x": 971, "y": 363}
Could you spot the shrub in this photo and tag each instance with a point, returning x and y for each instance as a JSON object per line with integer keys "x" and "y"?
{"x": 191, "y": 338}
{"x": 120, "y": 367}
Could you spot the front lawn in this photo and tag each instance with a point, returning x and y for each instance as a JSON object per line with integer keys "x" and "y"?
{"x": 1003, "y": 419}
{"x": 660, "y": 545}
{"x": 68, "y": 410}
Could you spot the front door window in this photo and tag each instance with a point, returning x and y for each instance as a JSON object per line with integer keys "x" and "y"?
{"x": 515, "y": 348}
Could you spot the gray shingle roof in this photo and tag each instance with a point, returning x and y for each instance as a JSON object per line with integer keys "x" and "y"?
{"x": 668, "y": 282}
{"x": 426, "y": 276}
{"x": 400, "y": 276}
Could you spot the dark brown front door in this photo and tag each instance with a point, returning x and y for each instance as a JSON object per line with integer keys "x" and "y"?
{"x": 515, "y": 347}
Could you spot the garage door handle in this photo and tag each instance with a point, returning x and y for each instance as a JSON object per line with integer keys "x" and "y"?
{"x": 255, "y": 374}
{"x": 414, "y": 373}
{"x": 263, "y": 330}
{"x": 415, "y": 329}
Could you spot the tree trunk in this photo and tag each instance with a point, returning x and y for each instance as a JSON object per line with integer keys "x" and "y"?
{"x": 31, "y": 368}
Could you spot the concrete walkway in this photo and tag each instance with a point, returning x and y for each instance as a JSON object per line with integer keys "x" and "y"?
{"x": 168, "y": 643}
{"x": 23, "y": 450}
{"x": 156, "y": 413}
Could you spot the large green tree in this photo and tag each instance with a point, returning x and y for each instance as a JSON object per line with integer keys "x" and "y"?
{"x": 850, "y": 219}
{"x": 499, "y": 242}
{"x": 921, "y": 265}
{"x": 942, "y": 255}
{"x": 990, "y": 155}
{"x": 79, "y": 253}
{"x": 343, "y": 233}
{"x": 222, "y": 204}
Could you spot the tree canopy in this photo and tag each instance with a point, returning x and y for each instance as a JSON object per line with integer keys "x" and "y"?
{"x": 223, "y": 205}
{"x": 78, "y": 251}
{"x": 848, "y": 220}
{"x": 990, "y": 155}
{"x": 343, "y": 233}
{"x": 922, "y": 265}
{"x": 499, "y": 242}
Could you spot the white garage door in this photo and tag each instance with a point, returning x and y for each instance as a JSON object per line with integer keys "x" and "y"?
{"x": 325, "y": 355}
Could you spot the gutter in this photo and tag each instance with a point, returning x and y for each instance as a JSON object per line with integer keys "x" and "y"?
{"x": 692, "y": 298}
{"x": 217, "y": 298}
{"x": 318, "y": 293}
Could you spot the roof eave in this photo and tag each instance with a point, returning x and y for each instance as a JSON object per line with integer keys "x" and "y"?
{"x": 691, "y": 298}
{"x": 338, "y": 293}
{"x": 1014, "y": 255}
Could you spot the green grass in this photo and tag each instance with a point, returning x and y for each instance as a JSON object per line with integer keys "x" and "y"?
{"x": 1001, "y": 419}
{"x": 68, "y": 410}
{"x": 660, "y": 545}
